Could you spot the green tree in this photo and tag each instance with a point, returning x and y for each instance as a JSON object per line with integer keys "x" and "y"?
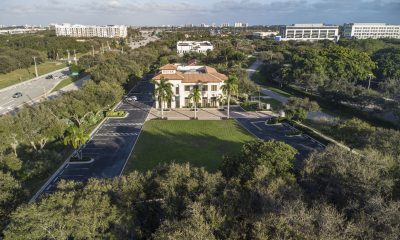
{"x": 298, "y": 108}
{"x": 76, "y": 137}
{"x": 195, "y": 96}
{"x": 230, "y": 87}
{"x": 163, "y": 93}
{"x": 345, "y": 179}
{"x": 276, "y": 157}
{"x": 355, "y": 132}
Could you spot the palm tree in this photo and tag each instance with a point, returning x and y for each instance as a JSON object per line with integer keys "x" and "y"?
{"x": 163, "y": 92}
{"x": 76, "y": 136}
{"x": 195, "y": 95}
{"x": 230, "y": 87}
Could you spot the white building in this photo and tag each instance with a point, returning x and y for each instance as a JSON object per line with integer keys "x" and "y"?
{"x": 185, "y": 78}
{"x": 224, "y": 25}
{"x": 183, "y": 47}
{"x": 239, "y": 24}
{"x": 21, "y": 30}
{"x": 263, "y": 35}
{"x": 308, "y": 32}
{"x": 371, "y": 30}
{"x": 109, "y": 31}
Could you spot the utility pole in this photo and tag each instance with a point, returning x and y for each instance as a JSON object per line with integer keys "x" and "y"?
{"x": 369, "y": 80}
{"x": 36, "y": 72}
{"x": 75, "y": 59}
{"x": 69, "y": 61}
{"x": 259, "y": 98}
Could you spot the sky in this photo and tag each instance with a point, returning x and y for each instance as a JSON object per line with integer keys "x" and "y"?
{"x": 178, "y": 12}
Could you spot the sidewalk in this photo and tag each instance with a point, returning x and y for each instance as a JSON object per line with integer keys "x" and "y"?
{"x": 279, "y": 97}
{"x": 206, "y": 114}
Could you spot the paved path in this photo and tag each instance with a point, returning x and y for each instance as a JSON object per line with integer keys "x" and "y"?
{"x": 111, "y": 144}
{"x": 71, "y": 87}
{"x": 281, "y": 98}
{"x": 254, "y": 122}
{"x": 32, "y": 90}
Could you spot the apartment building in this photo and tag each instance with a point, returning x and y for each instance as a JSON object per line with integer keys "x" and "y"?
{"x": 240, "y": 24}
{"x": 186, "y": 77}
{"x": 223, "y": 25}
{"x": 308, "y": 32}
{"x": 371, "y": 30}
{"x": 76, "y": 30}
{"x": 183, "y": 47}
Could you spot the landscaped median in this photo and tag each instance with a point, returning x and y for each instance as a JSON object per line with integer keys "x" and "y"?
{"x": 201, "y": 143}
{"x": 117, "y": 114}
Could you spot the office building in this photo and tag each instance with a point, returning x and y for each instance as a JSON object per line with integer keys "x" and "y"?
{"x": 308, "y": 32}
{"x": 109, "y": 31}
{"x": 186, "y": 77}
{"x": 183, "y": 47}
{"x": 371, "y": 30}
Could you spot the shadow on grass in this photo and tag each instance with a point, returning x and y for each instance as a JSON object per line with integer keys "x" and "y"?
{"x": 197, "y": 148}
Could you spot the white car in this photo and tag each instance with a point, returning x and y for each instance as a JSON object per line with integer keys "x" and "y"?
{"x": 131, "y": 99}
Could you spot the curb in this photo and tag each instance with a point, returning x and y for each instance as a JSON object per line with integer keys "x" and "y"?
{"x": 66, "y": 162}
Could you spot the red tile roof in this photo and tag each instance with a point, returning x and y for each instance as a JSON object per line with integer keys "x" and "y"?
{"x": 168, "y": 67}
{"x": 211, "y": 75}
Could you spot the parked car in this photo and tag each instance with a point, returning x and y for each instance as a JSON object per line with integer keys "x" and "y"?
{"x": 17, "y": 95}
{"x": 49, "y": 77}
{"x": 131, "y": 99}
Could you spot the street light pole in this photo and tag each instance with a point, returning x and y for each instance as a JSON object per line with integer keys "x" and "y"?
{"x": 69, "y": 62}
{"x": 36, "y": 72}
{"x": 259, "y": 98}
{"x": 369, "y": 80}
{"x": 76, "y": 62}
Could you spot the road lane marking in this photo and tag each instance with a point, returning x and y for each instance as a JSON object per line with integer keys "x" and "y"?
{"x": 7, "y": 102}
{"x": 116, "y": 134}
{"x": 254, "y": 124}
{"x": 122, "y": 124}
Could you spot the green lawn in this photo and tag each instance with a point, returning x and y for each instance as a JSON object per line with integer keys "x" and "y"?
{"x": 202, "y": 143}
{"x": 21, "y": 75}
{"x": 65, "y": 82}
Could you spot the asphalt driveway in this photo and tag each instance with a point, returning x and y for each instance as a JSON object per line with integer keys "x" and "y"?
{"x": 111, "y": 145}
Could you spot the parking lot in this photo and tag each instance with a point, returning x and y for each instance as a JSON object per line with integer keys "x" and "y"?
{"x": 303, "y": 143}
{"x": 112, "y": 143}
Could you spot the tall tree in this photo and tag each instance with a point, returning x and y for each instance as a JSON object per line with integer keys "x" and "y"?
{"x": 163, "y": 93}
{"x": 195, "y": 96}
{"x": 230, "y": 87}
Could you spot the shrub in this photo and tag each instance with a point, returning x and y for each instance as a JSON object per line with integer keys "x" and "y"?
{"x": 116, "y": 114}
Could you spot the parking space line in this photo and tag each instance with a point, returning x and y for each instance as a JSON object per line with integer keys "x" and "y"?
{"x": 253, "y": 123}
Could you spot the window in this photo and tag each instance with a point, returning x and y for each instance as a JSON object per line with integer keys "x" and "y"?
{"x": 177, "y": 90}
{"x": 187, "y": 88}
{"x": 213, "y": 87}
{"x": 205, "y": 88}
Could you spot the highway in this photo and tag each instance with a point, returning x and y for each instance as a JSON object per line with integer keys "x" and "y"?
{"x": 32, "y": 90}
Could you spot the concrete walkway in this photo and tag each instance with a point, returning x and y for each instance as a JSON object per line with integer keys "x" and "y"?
{"x": 207, "y": 114}
{"x": 71, "y": 87}
{"x": 281, "y": 98}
